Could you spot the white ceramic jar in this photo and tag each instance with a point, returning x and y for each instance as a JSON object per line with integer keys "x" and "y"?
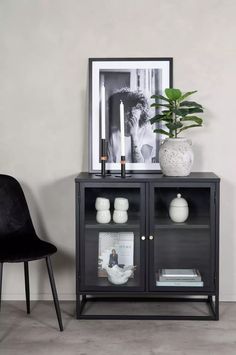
{"x": 121, "y": 204}
{"x": 103, "y": 216}
{"x": 120, "y": 216}
{"x": 102, "y": 204}
{"x": 178, "y": 209}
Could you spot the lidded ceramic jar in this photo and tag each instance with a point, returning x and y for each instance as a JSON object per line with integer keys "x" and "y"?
{"x": 178, "y": 209}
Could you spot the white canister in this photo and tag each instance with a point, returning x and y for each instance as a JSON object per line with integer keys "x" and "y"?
{"x": 178, "y": 209}
{"x": 103, "y": 216}
{"x": 102, "y": 204}
{"x": 120, "y": 216}
{"x": 121, "y": 204}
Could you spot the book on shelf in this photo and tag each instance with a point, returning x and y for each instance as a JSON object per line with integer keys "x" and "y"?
{"x": 180, "y": 283}
{"x": 179, "y": 275}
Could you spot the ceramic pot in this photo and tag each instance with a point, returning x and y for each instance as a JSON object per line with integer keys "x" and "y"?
{"x": 102, "y": 204}
{"x": 120, "y": 216}
{"x": 121, "y": 204}
{"x": 103, "y": 216}
{"x": 178, "y": 209}
{"x": 176, "y": 157}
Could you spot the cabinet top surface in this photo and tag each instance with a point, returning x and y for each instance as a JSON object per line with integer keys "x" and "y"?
{"x": 193, "y": 177}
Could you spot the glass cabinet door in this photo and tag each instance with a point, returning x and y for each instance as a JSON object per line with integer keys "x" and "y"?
{"x": 112, "y": 254}
{"x": 182, "y": 254}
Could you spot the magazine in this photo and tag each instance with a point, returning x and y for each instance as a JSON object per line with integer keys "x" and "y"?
{"x": 115, "y": 249}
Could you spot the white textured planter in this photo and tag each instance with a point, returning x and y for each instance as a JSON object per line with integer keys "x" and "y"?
{"x": 176, "y": 157}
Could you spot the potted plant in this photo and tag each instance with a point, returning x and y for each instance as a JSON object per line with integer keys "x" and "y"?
{"x": 177, "y": 115}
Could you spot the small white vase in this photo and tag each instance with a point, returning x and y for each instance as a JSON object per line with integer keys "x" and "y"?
{"x": 120, "y": 216}
{"x": 121, "y": 204}
{"x": 102, "y": 204}
{"x": 176, "y": 157}
{"x": 103, "y": 216}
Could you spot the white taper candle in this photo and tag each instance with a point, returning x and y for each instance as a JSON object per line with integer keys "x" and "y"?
{"x": 103, "y": 115}
{"x": 122, "y": 129}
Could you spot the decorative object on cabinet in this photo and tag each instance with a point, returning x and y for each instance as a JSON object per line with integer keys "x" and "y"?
{"x": 123, "y": 86}
{"x": 177, "y": 114}
{"x": 102, "y": 206}
{"x": 121, "y": 204}
{"x": 178, "y": 209}
{"x": 120, "y": 214}
{"x": 118, "y": 275}
{"x": 156, "y": 244}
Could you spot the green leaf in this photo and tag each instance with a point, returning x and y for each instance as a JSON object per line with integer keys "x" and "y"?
{"x": 161, "y": 131}
{"x": 193, "y": 118}
{"x": 191, "y": 126}
{"x": 190, "y": 104}
{"x": 173, "y": 94}
{"x": 174, "y": 126}
{"x": 186, "y": 95}
{"x": 159, "y": 118}
{"x": 186, "y": 111}
{"x": 159, "y": 105}
{"x": 195, "y": 110}
{"x": 160, "y": 97}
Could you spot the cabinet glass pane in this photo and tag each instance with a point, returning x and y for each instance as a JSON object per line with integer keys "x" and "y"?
{"x": 182, "y": 254}
{"x": 178, "y": 252}
{"x": 198, "y": 200}
{"x": 113, "y": 257}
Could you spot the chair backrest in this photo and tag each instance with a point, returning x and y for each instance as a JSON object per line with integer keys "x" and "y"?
{"x": 14, "y": 212}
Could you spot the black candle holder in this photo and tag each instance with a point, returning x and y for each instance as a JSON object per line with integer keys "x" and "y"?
{"x": 103, "y": 158}
{"x": 122, "y": 166}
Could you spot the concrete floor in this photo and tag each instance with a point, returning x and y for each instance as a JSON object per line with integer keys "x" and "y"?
{"x": 38, "y": 334}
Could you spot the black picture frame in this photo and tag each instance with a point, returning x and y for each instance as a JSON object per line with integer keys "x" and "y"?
{"x": 147, "y": 76}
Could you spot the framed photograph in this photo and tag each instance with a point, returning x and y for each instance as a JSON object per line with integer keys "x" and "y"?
{"x": 115, "y": 249}
{"x": 129, "y": 82}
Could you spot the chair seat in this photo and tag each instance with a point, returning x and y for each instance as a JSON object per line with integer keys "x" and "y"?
{"x": 15, "y": 248}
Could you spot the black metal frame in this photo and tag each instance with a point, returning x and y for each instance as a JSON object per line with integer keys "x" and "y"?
{"x": 130, "y": 59}
{"x": 213, "y": 307}
{"x": 211, "y": 295}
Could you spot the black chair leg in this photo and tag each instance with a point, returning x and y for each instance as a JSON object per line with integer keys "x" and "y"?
{"x": 27, "y": 289}
{"x": 1, "y": 270}
{"x": 54, "y": 292}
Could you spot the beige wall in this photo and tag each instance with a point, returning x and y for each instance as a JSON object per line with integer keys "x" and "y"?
{"x": 44, "y": 50}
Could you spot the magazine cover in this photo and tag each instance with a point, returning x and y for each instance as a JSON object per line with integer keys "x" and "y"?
{"x": 115, "y": 249}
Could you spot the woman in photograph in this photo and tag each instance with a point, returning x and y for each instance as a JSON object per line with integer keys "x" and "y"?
{"x": 113, "y": 260}
{"x": 139, "y": 137}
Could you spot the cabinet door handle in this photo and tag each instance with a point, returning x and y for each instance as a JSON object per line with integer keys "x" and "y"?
{"x": 143, "y": 237}
{"x": 151, "y": 237}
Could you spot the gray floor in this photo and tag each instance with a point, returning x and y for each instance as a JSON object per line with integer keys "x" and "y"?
{"x": 38, "y": 333}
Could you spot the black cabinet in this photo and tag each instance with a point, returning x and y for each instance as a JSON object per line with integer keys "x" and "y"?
{"x": 150, "y": 241}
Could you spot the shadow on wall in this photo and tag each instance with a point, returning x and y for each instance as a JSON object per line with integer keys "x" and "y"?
{"x": 53, "y": 215}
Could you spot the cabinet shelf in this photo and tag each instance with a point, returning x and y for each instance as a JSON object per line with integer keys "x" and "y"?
{"x": 191, "y": 223}
{"x": 133, "y": 223}
{"x": 103, "y": 282}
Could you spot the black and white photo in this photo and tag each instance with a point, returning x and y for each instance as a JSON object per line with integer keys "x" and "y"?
{"x": 131, "y": 82}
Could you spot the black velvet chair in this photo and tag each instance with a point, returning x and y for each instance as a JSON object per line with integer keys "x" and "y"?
{"x": 18, "y": 240}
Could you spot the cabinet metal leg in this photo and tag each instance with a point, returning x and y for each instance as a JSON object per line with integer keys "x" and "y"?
{"x": 27, "y": 288}
{"x": 54, "y": 292}
{"x": 1, "y": 271}
{"x": 217, "y": 307}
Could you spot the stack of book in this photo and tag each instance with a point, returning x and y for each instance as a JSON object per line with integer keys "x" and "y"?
{"x": 179, "y": 277}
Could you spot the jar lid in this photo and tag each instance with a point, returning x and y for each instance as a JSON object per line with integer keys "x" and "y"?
{"x": 179, "y": 202}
